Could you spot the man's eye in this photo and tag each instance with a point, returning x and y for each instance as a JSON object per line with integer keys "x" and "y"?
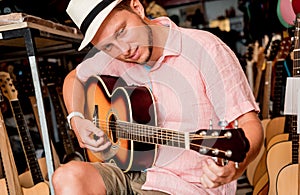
{"x": 120, "y": 32}
{"x": 107, "y": 47}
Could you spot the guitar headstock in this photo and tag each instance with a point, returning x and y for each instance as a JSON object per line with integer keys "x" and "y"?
{"x": 228, "y": 144}
{"x": 7, "y": 87}
{"x": 260, "y": 58}
{"x": 285, "y": 47}
{"x": 273, "y": 47}
{"x": 252, "y": 52}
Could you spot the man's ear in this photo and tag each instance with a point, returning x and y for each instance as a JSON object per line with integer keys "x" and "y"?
{"x": 138, "y": 8}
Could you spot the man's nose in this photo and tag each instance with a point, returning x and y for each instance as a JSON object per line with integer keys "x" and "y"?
{"x": 124, "y": 47}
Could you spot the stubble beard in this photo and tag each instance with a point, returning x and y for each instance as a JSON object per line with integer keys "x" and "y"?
{"x": 150, "y": 43}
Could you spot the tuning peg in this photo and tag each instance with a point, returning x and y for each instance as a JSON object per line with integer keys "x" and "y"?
{"x": 236, "y": 165}
{"x": 220, "y": 161}
{"x": 210, "y": 124}
{"x": 223, "y": 124}
{"x": 236, "y": 124}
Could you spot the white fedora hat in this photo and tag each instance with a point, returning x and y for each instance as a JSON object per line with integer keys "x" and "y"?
{"x": 88, "y": 16}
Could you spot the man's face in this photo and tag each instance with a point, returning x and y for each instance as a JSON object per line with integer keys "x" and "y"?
{"x": 125, "y": 36}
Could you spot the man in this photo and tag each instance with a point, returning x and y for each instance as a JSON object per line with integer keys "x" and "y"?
{"x": 196, "y": 82}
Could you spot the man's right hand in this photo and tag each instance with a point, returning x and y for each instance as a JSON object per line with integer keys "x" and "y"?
{"x": 89, "y": 136}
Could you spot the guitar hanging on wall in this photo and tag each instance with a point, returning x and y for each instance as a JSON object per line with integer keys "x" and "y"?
{"x": 278, "y": 78}
{"x": 62, "y": 126}
{"x": 291, "y": 172}
{"x": 251, "y": 59}
{"x": 127, "y": 115}
{"x": 271, "y": 60}
{"x": 285, "y": 13}
{"x": 11, "y": 94}
{"x": 67, "y": 146}
{"x": 13, "y": 183}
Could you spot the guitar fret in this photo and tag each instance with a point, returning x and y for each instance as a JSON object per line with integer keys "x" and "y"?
{"x": 278, "y": 89}
{"x": 61, "y": 122}
{"x": 149, "y": 134}
{"x": 27, "y": 142}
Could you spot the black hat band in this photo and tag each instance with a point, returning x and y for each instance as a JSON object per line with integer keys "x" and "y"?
{"x": 91, "y": 16}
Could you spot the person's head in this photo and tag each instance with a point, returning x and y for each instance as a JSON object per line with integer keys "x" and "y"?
{"x": 118, "y": 28}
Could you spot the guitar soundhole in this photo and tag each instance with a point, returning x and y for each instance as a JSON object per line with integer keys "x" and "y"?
{"x": 113, "y": 129}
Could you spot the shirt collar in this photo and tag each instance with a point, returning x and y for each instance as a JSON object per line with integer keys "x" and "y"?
{"x": 171, "y": 47}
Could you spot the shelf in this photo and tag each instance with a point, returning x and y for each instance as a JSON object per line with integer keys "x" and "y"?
{"x": 48, "y": 36}
{"x": 26, "y": 36}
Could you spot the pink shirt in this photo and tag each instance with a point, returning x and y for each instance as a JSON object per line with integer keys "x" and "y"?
{"x": 197, "y": 79}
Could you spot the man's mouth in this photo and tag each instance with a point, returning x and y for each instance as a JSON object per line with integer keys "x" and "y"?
{"x": 135, "y": 55}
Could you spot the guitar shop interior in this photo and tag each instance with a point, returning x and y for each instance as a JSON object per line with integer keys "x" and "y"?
{"x": 38, "y": 44}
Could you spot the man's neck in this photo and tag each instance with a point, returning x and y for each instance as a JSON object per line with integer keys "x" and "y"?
{"x": 160, "y": 36}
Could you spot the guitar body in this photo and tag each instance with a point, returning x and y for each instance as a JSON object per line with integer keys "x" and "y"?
{"x": 127, "y": 115}
{"x": 253, "y": 165}
{"x": 296, "y": 6}
{"x": 3, "y": 187}
{"x": 288, "y": 180}
{"x": 261, "y": 187}
{"x": 277, "y": 139}
{"x": 110, "y": 100}
{"x": 266, "y": 183}
{"x": 38, "y": 189}
{"x": 28, "y": 187}
{"x": 278, "y": 156}
{"x": 274, "y": 127}
{"x": 285, "y": 13}
{"x": 26, "y": 178}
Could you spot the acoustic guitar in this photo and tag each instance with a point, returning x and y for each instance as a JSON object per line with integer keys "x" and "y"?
{"x": 251, "y": 168}
{"x": 260, "y": 66}
{"x": 285, "y": 13}
{"x": 127, "y": 115}
{"x": 65, "y": 142}
{"x": 291, "y": 170}
{"x": 11, "y": 94}
{"x": 261, "y": 177}
{"x": 271, "y": 59}
{"x": 71, "y": 153}
{"x": 278, "y": 78}
{"x": 251, "y": 59}
{"x": 13, "y": 186}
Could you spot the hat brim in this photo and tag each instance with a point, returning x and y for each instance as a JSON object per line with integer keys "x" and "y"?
{"x": 96, "y": 23}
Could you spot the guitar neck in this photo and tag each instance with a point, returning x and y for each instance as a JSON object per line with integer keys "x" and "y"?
{"x": 62, "y": 126}
{"x": 296, "y": 73}
{"x": 152, "y": 134}
{"x": 278, "y": 89}
{"x": 267, "y": 90}
{"x": 207, "y": 142}
{"x": 6, "y": 156}
{"x": 295, "y": 139}
{"x": 257, "y": 83}
{"x": 27, "y": 142}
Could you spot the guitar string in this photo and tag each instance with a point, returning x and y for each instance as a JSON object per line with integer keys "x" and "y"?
{"x": 161, "y": 134}
{"x": 167, "y": 133}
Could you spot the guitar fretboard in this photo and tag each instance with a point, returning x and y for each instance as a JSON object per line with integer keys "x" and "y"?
{"x": 60, "y": 120}
{"x": 296, "y": 73}
{"x": 278, "y": 89}
{"x": 27, "y": 142}
{"x": 153, "y": 135}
